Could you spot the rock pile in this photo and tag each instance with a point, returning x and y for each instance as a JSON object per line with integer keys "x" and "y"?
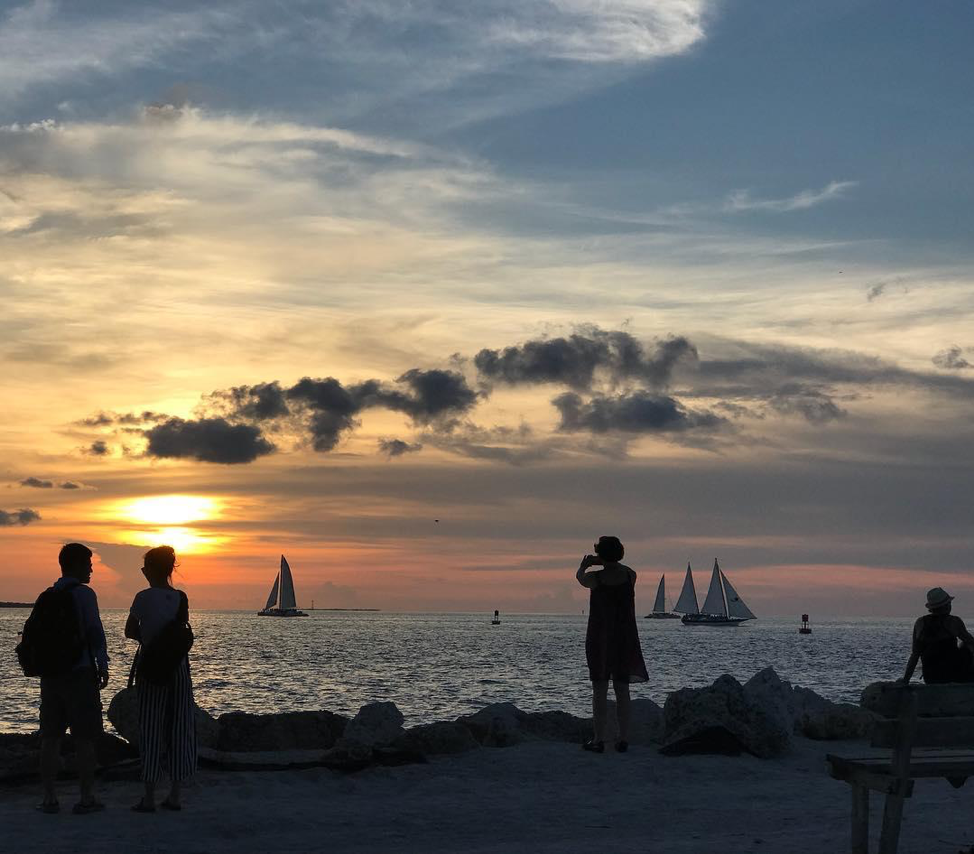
{"x": 759, "y": 717}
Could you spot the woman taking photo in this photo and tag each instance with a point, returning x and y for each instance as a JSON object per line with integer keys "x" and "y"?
{"x": 159, "y": 621}
{"x": 612, "y": 640}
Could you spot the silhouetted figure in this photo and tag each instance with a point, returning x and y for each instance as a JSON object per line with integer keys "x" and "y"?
{"x": 70, "y": 690}
{"x": 612, "y": 641}
{"x": 159, "y": 620}
{"x": 935, "y": 643}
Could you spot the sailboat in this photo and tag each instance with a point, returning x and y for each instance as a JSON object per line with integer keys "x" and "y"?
{"x": 281, "y": 602}
{"x": 659, "y": 611}
{"x": 722, "y": 607}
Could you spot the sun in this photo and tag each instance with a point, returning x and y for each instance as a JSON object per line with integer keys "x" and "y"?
{"x": 170, "y": 509}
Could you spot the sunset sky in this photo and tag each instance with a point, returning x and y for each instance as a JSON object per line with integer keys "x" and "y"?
{"x": 428, "y": 295}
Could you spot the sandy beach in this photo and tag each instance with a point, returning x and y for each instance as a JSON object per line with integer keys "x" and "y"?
{"x": 534, "y": 797}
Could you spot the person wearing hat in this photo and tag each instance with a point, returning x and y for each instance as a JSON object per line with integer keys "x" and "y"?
{"x": 935, "y": 643}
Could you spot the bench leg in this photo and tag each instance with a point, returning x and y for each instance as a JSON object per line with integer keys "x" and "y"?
{"x": 892, "y": 815}
{"x": 860, "y": 819}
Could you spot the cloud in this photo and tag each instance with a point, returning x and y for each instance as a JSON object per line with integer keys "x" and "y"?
{"x": 951, "y": 359}
{"x": 432, "y": 394}
{"x": 43, "y": 42}
{"x": 597, "y": 31}
{"x": 576, "y": 360}
{"x": 876, "y": 291}
{"x": 260, "y": 402}
{"x": 428, "y": 396}
{"x": 24, "y": 516}
{"x": 741, "y": 200}
{"x": 397, "y": 447}
{"x": 209, "y": 440}
{"x": 70, "y": 484}
{"x": 638, "y": 412}
{"x": 814, "y": 405}
{"x": 37, "y": 483}
{"x": 98, "y": 448}
{"x": 107, "y": 419}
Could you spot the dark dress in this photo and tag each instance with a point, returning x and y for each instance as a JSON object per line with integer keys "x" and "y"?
{"x": 612, "y": 640}
{"x": 943, "y": 661}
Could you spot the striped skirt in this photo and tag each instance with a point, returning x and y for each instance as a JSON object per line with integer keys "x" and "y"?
{"x": 167, "y": 727}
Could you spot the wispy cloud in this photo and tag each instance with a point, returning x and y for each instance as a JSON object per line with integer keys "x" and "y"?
{"x": 742, "y": 200}
{"x": 45, "y": 42}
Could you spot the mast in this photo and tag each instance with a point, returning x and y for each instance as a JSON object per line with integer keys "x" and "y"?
{"x": 659, "y": 606}
{"x": 687, "y": 603}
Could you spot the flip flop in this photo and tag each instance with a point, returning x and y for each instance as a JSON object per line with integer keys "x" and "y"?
{"x": 169, "y": 805}
{"x": 142, "y": 806}
{"x": 48, "y": 807}
{"x": 594, "y": 746}
{"x": 82, "y": 808}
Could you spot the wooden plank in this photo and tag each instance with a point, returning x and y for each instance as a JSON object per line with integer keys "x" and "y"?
{"x": 936, "y": 765}
{"x": 876, "y": 781}
{"x": 860, "y": 819}
{"x": 951, "y": 700}
{"x": 889, "y": 838}
{"x": 930, "y": 732}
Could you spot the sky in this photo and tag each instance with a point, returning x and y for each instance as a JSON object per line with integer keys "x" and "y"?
{"x": 428, "y": 296}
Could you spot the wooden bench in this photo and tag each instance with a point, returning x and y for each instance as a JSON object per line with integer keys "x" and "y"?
{"x": 930, "y": 729}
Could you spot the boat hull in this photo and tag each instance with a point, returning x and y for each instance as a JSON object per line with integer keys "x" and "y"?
{"x": 661, "y": 615}
{"x": 277, "y": 612}
{"x": 711, "y": 620}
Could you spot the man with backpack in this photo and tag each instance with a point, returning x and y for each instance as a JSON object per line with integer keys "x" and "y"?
{"x": 64, "y": 644}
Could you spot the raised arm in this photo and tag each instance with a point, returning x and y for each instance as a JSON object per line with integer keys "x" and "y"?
{"x": 589, "y": 580}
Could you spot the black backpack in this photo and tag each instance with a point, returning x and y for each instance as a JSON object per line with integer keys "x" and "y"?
{"x": 157, "y": 662}
{"x": 52, "y": 641}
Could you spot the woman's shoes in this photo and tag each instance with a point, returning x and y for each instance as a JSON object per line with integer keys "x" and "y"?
{"x": 48, "y": 807}
{"x": 622, "y": 746}
{"x": 594, "y": 746}
{"x": 142, "y": 806}
{"x": 169, "y": 805}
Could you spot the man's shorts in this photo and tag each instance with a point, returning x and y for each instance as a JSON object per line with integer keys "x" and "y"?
{"x": 71, "y": 700}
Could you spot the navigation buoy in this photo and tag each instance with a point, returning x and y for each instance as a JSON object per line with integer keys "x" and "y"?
{"x": 805, "y": 629}
{"x": 497, "y": 619}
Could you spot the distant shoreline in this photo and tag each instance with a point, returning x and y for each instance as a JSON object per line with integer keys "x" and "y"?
{"x": 16, "y": 604}
{"x": 344, "y": 609}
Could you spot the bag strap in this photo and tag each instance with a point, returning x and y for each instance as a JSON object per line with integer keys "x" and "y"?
{"x": 135, "y": 666}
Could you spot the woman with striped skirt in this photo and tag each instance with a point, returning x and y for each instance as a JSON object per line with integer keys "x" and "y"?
{"x": 167, "y": 720}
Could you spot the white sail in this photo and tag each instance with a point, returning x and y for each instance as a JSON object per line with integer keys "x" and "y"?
{"x": 287, "y": 586}
{"x": 272, "y": 599}
{"x": 659, "y": 606}
{"x": 714, "y": 603}
{"x": 735, "y": 605}
{"x": 687, "y": 603}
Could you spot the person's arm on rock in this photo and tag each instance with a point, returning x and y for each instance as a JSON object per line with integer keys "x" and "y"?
{"x": 911, "y": 665}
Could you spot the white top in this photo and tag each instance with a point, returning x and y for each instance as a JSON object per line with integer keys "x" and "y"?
{"x": 154, "y": 607}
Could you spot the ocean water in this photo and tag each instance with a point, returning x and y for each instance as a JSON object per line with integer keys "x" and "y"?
{"x": 438, "y": 666}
